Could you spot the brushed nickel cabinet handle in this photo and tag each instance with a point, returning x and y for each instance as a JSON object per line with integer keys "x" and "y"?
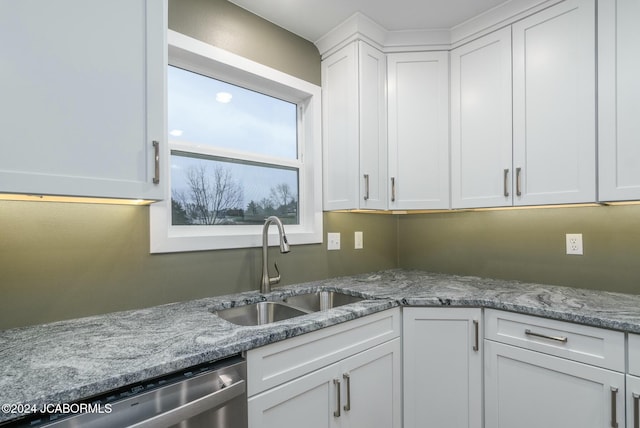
{"x": 562, "y": 339}
{"x": 636, "y": 410}
{"x": 614, "y": 416}
{"x": 476, "y": 327}
{"x": 347, "y": 379}
{"x": 156, "y": 149}
{"x": 518, "y": 181}
{"x": 366, "y": 187}
{"x": 393, "y": 189}
{"x": 506, "y": 185}
{"x": 336, "y": 413}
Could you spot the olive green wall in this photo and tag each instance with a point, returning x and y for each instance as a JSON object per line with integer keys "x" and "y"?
{"x": 529, "y": 245}
{"x": 60, "y": 261}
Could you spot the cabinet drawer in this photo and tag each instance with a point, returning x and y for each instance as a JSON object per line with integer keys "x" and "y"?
{"x": 634, "y": 354}
{"x": 280, "y": 362}
{"x": 590, "y": 345}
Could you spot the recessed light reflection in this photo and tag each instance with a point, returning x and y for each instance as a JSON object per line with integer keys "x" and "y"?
{"x": 223, "y": 97}
{"x": 175, "y": 132}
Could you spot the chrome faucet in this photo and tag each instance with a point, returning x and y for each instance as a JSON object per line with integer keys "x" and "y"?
{"x": 267, "y": 281}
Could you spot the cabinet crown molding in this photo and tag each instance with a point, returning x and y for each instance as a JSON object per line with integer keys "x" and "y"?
{"x": 360, "y": 27}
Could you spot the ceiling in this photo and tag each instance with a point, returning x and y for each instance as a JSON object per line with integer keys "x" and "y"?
{"x": 312, "y": 19}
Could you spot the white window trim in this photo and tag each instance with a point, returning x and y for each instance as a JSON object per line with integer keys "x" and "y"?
{"x": 197, "y": 56}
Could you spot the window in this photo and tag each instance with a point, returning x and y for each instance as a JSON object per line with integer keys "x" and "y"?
{"x": 243, "y": 144}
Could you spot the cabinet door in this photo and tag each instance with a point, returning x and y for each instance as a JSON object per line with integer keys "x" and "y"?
{"x": 308, "y": 401}
{"x": 372, "y": 388}
{"x": 373, "y": 127}
{"x": 340, "y": 129}
{"x": 554, "y": 105}
{"x": 528, "y": 389}
{"x": 634, "y": 354}
{"x": 618, "y": 100}
{"x": 633, "y": 401}
{"x": 82, "y": 88}
{"x": 418, "y": 94}
{"x": 442, "y": 367}
{"x": 481, "y": 139}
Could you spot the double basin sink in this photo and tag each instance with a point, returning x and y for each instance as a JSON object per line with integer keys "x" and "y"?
{"x": 294, "y": 306}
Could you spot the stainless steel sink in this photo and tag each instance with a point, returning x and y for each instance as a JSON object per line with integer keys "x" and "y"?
{"x": 321, "y": 301}
{"x": 259, "y": 313}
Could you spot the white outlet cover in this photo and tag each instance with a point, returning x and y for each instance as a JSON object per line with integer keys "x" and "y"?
{"x": 333, "y": 241}
{"x": 574, "y": 244}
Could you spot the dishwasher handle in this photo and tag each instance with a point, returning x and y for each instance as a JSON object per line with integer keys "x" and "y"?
{"x": 193, "y": 408}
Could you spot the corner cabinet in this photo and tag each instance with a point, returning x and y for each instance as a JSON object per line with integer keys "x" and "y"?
{"x": 82, "y": 97}
{"x": 418, "y": 94}
{"x": 347, "y": 375}
{"x": 618, "y": 100}
{"x": 354, "y": 128}
{"x": 442, "y": 358}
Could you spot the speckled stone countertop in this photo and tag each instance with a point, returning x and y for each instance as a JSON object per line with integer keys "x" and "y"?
{"x": 65, "y": 361}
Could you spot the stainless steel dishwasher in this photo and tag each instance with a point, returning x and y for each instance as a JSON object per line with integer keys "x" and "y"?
{"x": 212, "y": 396}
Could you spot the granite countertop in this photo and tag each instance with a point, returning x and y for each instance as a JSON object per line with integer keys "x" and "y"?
{"x": 65, "y": 361}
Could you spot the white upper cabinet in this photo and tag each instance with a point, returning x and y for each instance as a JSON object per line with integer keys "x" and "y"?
{"x": 523, "y": 112}
{"x": 481, "y": 140}
{"x": 373, "y": 127}
{"x": 418, "y": 94}
{"x": 554, "y": 112}
{"x": 354, "y": 128}
{"x": 82, "y": 101}
{"x": 618, "y": 100}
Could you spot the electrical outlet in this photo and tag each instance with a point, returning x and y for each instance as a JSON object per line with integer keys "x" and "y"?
{"x": 574, "y": 244}
{"x": 333, "y": 241}
{"x": 358, "y": 241}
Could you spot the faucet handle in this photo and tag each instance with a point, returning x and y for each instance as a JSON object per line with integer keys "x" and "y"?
{"x": 275, "y": 279}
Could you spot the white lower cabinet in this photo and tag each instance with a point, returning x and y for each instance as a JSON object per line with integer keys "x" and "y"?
{"x": 362, "y": 389}
{"x": 528, "y": 389}
{"x": 633, "y": 382}
{"x": 633, "y": 401}
{"x": 539, "y": 383}
{"x": 442, "y": 367}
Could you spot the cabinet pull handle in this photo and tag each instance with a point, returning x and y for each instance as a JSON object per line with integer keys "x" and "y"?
{"x": 614, "y": 416}
{"x": 366, "y": 187}
{"x": 518, "y": 181}
{"x": 347, "y": 379}
{"x": 562, "y": 339}
{"x": 636, "y": 410}
{"x": 336, "y": 412}
{"x": 476, "y": 327}
{"x": 156, "y": 157}
{"x": 393, "y": 189}
{"x": 506, "y": 186}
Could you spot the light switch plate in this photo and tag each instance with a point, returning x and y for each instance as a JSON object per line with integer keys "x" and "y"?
{"x": 333, "y": 241}
{"x": 358, "y": 242}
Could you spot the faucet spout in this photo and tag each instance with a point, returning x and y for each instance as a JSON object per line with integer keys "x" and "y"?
{"x": 267, "y": 281}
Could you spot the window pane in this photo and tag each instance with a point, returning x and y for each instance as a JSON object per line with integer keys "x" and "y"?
{"x": 207, "y": 111}
{"x": 217, "y": 191}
